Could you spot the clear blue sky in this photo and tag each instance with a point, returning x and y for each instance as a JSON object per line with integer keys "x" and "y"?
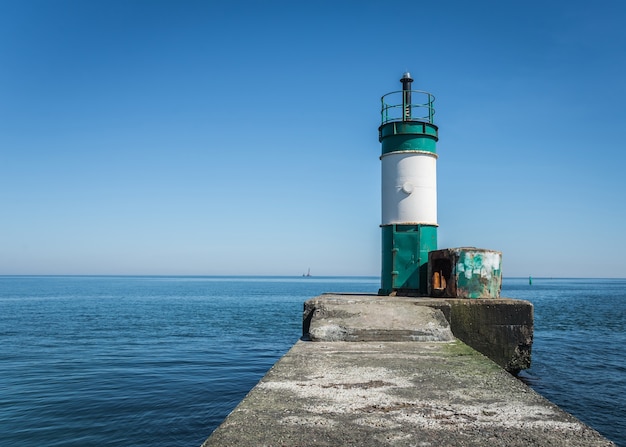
{"x": 240, "y": 137}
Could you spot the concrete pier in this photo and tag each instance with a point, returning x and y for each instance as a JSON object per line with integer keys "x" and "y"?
{"x": 501, "y": 329}
{"x": 391, "y": 372}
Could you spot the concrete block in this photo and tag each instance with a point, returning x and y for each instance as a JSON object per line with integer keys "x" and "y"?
{"x": 501, "y": 329}
{"x": 346, "y": 318}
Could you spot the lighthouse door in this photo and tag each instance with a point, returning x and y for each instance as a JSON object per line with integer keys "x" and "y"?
{"x": 406, "y": 259}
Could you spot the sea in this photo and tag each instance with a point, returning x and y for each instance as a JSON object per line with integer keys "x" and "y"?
{"x": 161, "y": 361}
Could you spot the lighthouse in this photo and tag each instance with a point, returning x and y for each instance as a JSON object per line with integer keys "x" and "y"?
{"x": 408, "y": 138}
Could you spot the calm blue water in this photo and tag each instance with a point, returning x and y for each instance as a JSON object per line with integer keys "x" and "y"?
{"x": 160, "y": 361}
{"x": 578, "y": 359}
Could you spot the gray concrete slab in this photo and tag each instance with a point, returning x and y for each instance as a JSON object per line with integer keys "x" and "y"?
{"x": 396, "y": 394}
{"x": 366, "y": 318}
{"x": 502, "y": 329}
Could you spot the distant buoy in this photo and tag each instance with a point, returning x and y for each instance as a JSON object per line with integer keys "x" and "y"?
{"x": 530, "y": 280}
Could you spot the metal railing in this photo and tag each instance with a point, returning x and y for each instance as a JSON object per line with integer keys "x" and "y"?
{"x": 407, "y": 105}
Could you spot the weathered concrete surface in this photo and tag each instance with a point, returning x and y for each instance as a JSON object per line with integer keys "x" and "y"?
{"x": 501, "y": 329}
{"x": 371, "y": 318}
{"x": 396, "y": 394}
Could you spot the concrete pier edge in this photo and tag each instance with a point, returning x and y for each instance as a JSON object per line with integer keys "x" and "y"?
{"x": 381, "y": 371}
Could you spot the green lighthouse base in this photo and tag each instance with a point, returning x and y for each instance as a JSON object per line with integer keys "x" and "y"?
{"x": 405, "y": 249}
